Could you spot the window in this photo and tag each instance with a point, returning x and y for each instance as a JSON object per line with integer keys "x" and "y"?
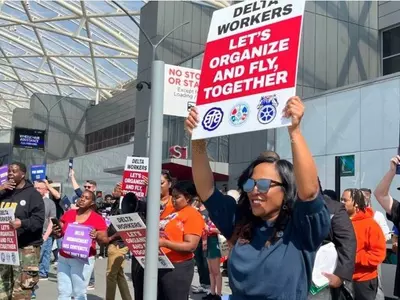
{"x": 110, "y": 136}
{"x": 391, "y": 51}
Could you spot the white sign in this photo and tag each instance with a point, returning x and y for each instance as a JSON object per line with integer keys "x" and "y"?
{"x": 132, "y": 230}
{"x": 249, "y": 67}
{"x": 180, "y": 90}
{"x": 8, "y": 239}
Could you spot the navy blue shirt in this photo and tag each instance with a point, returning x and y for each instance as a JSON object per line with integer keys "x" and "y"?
{"x": 283, "y": 270}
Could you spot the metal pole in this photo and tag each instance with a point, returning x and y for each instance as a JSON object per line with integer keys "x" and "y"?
{"x": 155, "y": 161}
{"x": 337, "y": 177}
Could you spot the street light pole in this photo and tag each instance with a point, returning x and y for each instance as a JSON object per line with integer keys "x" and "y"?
{"x": 154, "y": 150}
{"x": 48, "y": 124}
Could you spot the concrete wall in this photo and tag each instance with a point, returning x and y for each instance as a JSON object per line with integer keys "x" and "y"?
{"x": 340, "y": 46}
{"x": 362, "y": 120}
{"x": 91, "y": 166}
{"x": 389, "y": 13}
{"x": 157, "y": 19}
{"x": 67, "y": 127}
{"x": 117, "y": 109}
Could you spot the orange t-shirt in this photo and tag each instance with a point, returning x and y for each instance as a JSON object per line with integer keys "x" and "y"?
{"x": 176, "y": 225}
{"x": 168, "y": 209}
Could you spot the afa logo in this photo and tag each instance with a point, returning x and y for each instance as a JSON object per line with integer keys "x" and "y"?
{"x": 267, "y": 109}
{"x": 212, "y": 119}
{"x": 239, "y": 114}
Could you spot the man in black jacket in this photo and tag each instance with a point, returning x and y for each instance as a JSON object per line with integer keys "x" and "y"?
{"x": 343, "y": 237}
{"x": 17, "y": 282}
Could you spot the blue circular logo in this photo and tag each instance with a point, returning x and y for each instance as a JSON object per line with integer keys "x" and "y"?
{"x": 238, "y": 114}
{"x": 267, "y": 109}
{"x": 212, "y": 119}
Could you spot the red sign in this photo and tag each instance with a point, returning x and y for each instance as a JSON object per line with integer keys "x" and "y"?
{"x": 178, "y": 152}
{"x": 8, "y": 238}
{"x": 135, "y": 176}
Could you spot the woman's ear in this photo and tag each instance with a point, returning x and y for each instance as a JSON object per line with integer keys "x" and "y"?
{"x": 169, "y": 185}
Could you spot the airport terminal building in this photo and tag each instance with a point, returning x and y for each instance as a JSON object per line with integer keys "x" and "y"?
{"x": 349, "y": 59}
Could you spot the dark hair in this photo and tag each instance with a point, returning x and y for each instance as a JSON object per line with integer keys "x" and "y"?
{"x": 358, "y": 198}
{"x": 366, "y": 190}
{"x": 20, "y": 165}
{"x": 245, "y": 226}
{"x": 167, "y": 175}
{"x": 108, "y": 195}
{"x": 92, "y": 182}
{"x": 93, "y": 195}
{"x": 331, "y": 194}
{"x": 187, "y": 188}
{"x": 270, "y": 153}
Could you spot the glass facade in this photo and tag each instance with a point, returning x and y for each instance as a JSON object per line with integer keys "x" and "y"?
{"x": 174, "y": 133}
{"x": 391, "y": 51}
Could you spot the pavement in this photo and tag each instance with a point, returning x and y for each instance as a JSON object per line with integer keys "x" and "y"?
{"x": 47, "y": 289}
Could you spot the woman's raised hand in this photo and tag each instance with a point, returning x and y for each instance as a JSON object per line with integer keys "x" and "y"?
{"x": 294, "y": 109}
{"x": 192, "y": 120}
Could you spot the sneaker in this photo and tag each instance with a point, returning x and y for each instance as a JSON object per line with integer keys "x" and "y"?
{"x": 90, "y": 287}
{"x": 100, "y": 257}
{"x": 33, "y": 295}
{"x": 199, "y": 289}
{"x": 42, "y": 278}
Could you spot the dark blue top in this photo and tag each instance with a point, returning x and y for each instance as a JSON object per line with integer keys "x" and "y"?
{"x": 283, "y": 270}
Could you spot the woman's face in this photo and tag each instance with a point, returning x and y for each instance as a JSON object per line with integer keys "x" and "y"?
{"x": 266, "y": 204}
{"x": 86, "y": 200}
{"x": 348, "y": 203}
{"x": 179, "y": 200}
{"x": 165, "y": 185}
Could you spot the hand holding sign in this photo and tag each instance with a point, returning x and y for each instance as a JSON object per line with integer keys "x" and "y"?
{"x": 16, "y": 223}
{"x": 294, "y": 109}
{"x": 93, "y": 234}
{"x": 192, "y": 120}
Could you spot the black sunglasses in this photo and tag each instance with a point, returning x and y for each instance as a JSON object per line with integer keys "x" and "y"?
{"x": 263, "y": 185}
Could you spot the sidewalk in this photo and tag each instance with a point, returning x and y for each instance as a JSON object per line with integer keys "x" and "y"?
{"x": 48, "y": 289}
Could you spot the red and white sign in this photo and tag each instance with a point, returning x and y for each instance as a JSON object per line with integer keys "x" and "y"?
{"x": 180, "y": 90}
{"x": 249, "y": 67}
{"x": 8, "y": 239}
{"x": 178, "y": 152}
{"x": 132, "y": 230}
{"x": 135, "y": 172}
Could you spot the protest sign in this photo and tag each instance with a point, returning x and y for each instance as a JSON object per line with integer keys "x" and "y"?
{"x": 8, "y": 239}
{"x": 132, "y": 230}
{"x": 249, "y": 67}
{"x": 136, "y": 169}
{"x": 180, "y": 90}
{"x": 38, "y": 172}
{"x": 3, "y": 174}
{"x": 77, "y": 241}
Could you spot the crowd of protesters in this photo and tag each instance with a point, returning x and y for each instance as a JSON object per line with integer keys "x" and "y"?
{"x": 273, "y": 225}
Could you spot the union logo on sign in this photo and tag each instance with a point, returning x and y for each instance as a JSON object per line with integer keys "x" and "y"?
{"x": 212, "y": 119}
{"x": 267, "y": 109}
{"x": 239, "y": 114}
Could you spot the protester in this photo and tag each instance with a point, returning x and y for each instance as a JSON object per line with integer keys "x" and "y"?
{"x": 392, "y": 208}
{"x": 371, "y": 245}
{"x": 17, "y": 282}
{"x": 275, "y": 241}
{"x": 50, "y": 212}
{"x": 74, "y": 274}
{"x": 182, "y": 230}
{"x": 116, "y": 255}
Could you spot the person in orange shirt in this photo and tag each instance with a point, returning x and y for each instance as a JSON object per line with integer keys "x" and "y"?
{"x": 371, "y": 245}
{"x": 181, "y": 232}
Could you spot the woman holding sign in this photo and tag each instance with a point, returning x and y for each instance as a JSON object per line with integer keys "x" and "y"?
{"x": 279, "y": 222}
{"x": 81, "y": 229}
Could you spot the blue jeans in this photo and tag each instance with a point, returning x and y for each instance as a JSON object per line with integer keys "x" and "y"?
{"x": 45, "y": 256}
{"x": 73, "y": 277}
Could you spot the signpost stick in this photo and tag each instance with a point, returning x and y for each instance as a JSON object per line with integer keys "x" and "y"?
{"x": 338, "y": 167}
{"x": 154, "y": 150}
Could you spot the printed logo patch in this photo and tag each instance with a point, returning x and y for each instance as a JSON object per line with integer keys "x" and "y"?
{"x": 267, "y": 109}
{"x": 22, "y": 202}
{"x": 239, "y": 114}
{"x": 212, "y": 119}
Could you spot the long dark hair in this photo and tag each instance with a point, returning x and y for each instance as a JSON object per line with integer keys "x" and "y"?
{"x": 247, "y": 222}
{"x": 357, "y": 197}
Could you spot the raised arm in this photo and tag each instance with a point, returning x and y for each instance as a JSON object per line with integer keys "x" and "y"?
{"x": 381, "y": 192}
{"x": 201, "y": 170}
{"x": 304, "y": 167}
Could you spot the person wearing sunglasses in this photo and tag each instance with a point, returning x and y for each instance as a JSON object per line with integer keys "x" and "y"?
{"x": 279, "y": 222}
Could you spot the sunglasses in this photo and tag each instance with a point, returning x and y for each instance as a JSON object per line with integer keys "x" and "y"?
{"x": 263, "y": 185}
{"x": 87, "y": 186}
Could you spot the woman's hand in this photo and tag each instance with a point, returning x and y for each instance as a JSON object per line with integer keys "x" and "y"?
{"x": 294, "y": 109}
{"x": 163, "y": 243}
{"x": 56, "y": 231}
{"x": 192, "y": 120}
{"x": 93, "y": 234}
